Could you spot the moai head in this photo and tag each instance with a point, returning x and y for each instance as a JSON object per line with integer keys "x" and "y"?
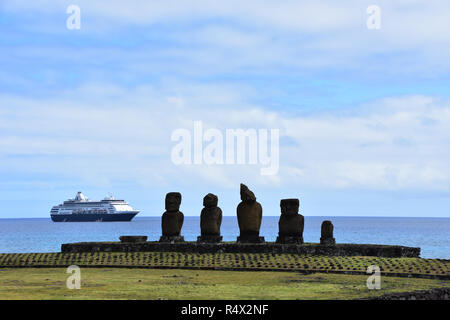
{"x": 327, "y": 229}
{"x": 210, "y": 201}
{"x": 247, "y": 195}
{"x": 289, "y": 207}
{"x": 173, "y": 201}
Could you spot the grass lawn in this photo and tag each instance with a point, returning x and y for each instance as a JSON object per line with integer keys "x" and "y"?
{"x": 121, "y": 283}
{"x": 231, "y": 261}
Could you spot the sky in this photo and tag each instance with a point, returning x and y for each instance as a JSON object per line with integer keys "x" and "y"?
{"x": 363, "y": 114}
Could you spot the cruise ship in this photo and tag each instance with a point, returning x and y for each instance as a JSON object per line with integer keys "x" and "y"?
{"x": 81, "y": 209}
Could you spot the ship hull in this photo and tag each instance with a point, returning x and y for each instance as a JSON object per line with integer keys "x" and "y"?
{"x": 93, "y": 217}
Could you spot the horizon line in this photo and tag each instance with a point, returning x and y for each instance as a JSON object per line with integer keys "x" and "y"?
{"x": 189, "y": 216}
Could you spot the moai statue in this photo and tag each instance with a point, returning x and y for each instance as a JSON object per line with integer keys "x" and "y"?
{"x": 210, "y": 220}
{"x": 249, "y": 214}
{"x": 291, "y": 223}
{"x": 172, "y": 219}
{"x": 327, "y": 233}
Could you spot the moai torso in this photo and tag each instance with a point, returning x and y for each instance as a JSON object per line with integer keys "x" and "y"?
{"x": 172, "y": 219}
{"x": 291, "y": 223}
{"x": 211, "y": 216}
{"x": 327, "y": 237}
{"x": 327, "y": 230}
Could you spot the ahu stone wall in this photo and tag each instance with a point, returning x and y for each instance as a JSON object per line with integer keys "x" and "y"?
{"x": 234, "y": 247}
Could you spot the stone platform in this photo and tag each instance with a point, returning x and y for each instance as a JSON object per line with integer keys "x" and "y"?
{"x": 233, "y": 247}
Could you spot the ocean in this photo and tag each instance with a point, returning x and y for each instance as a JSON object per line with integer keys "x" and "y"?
{"x": 432, "y": 235}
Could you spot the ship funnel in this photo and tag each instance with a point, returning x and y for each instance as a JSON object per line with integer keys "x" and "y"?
{"x": 80, "y": 196}
{"x": 109, "y": 196}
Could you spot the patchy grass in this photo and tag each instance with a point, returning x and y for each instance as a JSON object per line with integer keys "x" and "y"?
{"x": 115, "y": 283}
{"x": 229, "y": 261}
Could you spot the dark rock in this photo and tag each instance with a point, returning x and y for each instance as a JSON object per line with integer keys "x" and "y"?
{"x": 290, "y": 239}
{"x": 209, "y": 239}
{"x": 291, "y": 223}
{"x": 327, "y": 237}
{"x": 249, "y": 238}
{"x": 432, "y": 294}
{"x": 133, "y": 239}
{"x": 171, "y": 239}
{"x": 172, "y": 219}
{"x": 249, "y": 214}
{"x": 210, "y": 219}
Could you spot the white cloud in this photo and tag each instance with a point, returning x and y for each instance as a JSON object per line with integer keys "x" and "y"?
{"x": 390, "y": 144}
{"x": 271, "y": 34}
{"x": 397, "y": 143}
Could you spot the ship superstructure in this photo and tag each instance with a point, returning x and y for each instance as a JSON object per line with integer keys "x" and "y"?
{"x": 81, "y": 209}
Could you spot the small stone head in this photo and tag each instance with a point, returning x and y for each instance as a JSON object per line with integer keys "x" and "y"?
{"x": 246, "y": 194}
{"x": 289, "y": 207}
{"x": 173, "y": 201}
{"x": 210, "y": 200}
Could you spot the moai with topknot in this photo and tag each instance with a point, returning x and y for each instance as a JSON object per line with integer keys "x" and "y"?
{"x": 249, "y": 214}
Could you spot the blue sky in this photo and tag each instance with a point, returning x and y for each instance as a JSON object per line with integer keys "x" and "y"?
{"x": 364, "y": 115}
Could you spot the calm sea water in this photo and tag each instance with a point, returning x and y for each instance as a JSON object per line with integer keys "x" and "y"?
{"x": 43, "y": 235}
